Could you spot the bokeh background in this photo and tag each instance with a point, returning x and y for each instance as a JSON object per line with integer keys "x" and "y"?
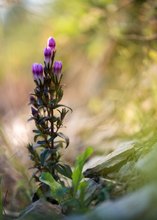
{"x": 109, "y": 54}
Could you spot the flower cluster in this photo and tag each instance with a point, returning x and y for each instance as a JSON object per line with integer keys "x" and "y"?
{"x": 49, "y": 53}
{"x": 49, "y": 50}
{"x": 48, "y": 115}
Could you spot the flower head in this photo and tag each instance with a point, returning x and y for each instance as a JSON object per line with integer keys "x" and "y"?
{"x": 57, "y": 67}
{"x": 37, "y": 70}
{"x": 47, "y": 54}
{"x": 51, "y": 43}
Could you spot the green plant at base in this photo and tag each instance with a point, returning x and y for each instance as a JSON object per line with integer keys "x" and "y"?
{"x": 73, "y": 198}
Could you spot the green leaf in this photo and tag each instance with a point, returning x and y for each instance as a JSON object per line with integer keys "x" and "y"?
{"x": 57, "y": 190}
{"x": 41, "y": 142}
{"x": 53, "y": 119}
{"x": 33, "y": 154}
{"x": 36, "y": 137}
{"x": 53, "y": 136}
{"x": 44, "y": 155}
{"x": 82, "y": 191}
{"x": 60, "y": 95}
{"x": 43, "y": 119}
{"x": 65, "y": 170}
{"x": 61, "y": 105}
{"x": 36, "y": 131}
{"x": 63, "y": 136}
{"x": 77, "y": 172}
{"x": 63, "y": 113}
{"x": 59, "y": 122}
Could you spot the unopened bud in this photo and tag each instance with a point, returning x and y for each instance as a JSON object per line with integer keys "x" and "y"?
{"x": 51, "y": 43}
{"x": 37, "y": 70}
{"x": 57, "y": 68}
{"x": 47, "y": 54}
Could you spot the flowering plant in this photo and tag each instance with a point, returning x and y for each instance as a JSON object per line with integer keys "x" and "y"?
{"x": 57, "y": 182}
{"x": 48, "y": 115}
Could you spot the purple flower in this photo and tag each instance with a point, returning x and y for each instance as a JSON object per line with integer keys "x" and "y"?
{"x": 57, "y": 67}
{"x": 51, "y": 43}
{"x": 34, "y": 70}
{"x": 37, "y": 70}
{"x": 47, "y": 54}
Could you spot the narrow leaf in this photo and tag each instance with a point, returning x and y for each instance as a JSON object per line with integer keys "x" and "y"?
{"x": 61, "y": 105}
{"x": 44, "y": 156}
{"x": 53, "y": 184}
{"x": 36, "y": 131}
{"x": 41, "y": 142}
{"x": 36, "y": 137}
{"x": 77, "y": 172}
{"x": 63, "y": 136}
{"x": 65, "y": 170}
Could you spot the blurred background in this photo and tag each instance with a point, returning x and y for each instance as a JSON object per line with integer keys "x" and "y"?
{"x": 109, "y": 54}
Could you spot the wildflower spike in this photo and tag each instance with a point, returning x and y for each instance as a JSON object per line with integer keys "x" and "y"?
{"x": 45, "y": 100}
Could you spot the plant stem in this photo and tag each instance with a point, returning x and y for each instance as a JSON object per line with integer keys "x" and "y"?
{"x": 52, "y": 129}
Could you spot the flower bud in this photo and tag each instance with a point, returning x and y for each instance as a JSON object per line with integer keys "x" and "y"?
{"x": 34, "y": 68}
{"x": 37, "y": 70}
{"x": 40, "y": 71}
{"x": 57, "y": 67}
{"x": 47, "y": 54}
{"x": 51, "y": 43}
{"x": 34, "y": 112}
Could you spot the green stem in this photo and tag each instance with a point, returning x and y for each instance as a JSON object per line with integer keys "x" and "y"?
{"x": 52, "y": 128}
